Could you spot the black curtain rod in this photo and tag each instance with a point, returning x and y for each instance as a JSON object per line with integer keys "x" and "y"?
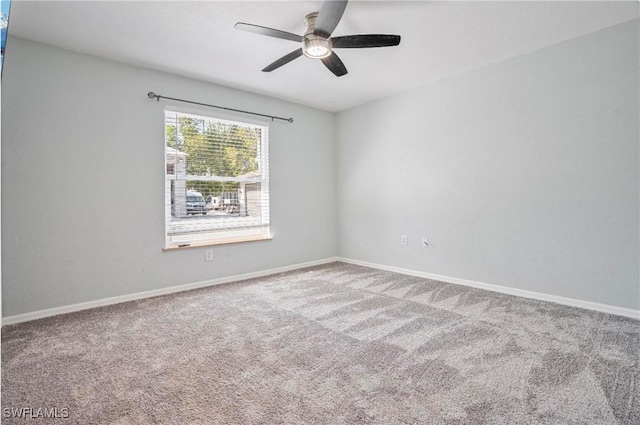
{"x": 152, "y": 95}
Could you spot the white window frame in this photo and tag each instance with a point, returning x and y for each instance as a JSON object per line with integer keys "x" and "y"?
{"x": 228, "y": 230}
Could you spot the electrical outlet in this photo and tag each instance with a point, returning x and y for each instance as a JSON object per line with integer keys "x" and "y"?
{"x": 208, "y": 255}
{"x": 425, "y": 242}
{"x": 403, "y": 240}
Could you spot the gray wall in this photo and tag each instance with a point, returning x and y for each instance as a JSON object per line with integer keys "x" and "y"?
{"x": 523, "y": 173}
{"x": 83, "y": 182}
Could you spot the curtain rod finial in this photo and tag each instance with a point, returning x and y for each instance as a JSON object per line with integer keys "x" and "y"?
{"x": 152, "y": 95}
{"x": 290, "y": 120}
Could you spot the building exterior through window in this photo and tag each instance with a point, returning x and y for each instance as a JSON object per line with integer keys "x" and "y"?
{"x": 216, "y": 180}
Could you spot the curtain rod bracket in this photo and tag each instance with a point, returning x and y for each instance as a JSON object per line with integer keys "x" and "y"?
{"x": 152, "y": 95}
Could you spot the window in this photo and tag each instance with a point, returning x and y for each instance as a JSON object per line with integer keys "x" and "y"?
{"x": 216, "y": 180}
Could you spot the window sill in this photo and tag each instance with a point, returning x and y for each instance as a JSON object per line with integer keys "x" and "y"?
{"x": 226, "y": 241}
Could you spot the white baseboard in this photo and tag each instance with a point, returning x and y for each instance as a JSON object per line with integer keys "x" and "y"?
{"x": 605, "y": 308}
{"x": 19, "y": 318}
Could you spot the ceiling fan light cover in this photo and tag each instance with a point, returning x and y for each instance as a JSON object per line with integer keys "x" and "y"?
{"x": 315, "y": 47}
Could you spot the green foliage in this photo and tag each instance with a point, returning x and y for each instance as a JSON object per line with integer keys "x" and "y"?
{"x": 214, "y": 149}
{"x": 207, "y": 188}
{"x": 172, "y": 136}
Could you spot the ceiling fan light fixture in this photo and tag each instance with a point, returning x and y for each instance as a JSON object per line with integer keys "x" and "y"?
{"x": 315, "y": 47}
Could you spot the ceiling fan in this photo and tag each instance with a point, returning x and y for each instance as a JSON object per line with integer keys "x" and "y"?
{"x": 317, "y": 42}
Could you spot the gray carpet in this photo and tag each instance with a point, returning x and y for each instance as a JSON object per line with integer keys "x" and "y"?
{"x": 333, "y": 344}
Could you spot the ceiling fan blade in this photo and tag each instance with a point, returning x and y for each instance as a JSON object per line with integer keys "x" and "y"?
{"x": 334, "y": 64}
{"x": 270, "y": 32}
{"x": 283, "y": 60}
{"x": 328, "y": 17}
{"x": 365, "y": 40}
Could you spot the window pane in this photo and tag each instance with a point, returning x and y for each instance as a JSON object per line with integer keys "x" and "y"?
{"x": 216, "y": 182}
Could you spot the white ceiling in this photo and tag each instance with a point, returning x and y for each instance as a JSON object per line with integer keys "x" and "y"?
{"x": 197, "y": 40}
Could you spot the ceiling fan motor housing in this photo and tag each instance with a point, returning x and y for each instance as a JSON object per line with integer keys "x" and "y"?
{"x": 314, "y": 46}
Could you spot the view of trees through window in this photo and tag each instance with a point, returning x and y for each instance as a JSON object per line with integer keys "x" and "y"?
{"x": 216, "y": 179}
{"x": 214, "y": 148}
{"x": 215, "y": 169}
